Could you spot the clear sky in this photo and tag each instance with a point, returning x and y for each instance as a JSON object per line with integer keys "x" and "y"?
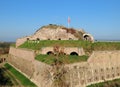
{"x": 20, "y": 18}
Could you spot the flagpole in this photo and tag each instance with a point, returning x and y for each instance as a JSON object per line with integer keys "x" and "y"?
{"x": 68, "y": 21}
{"x": 68, "y": 24}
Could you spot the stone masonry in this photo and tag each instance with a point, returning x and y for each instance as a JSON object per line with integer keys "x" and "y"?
{"x": 57, "y": 33}
{"x": 101, "y": 66}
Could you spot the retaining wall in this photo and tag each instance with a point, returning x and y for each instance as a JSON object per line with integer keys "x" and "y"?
{"x": 101, "y": 66}
{"x": 24, "y": 61}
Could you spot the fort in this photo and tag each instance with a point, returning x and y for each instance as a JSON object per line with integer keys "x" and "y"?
{"x": 102, "y": 65}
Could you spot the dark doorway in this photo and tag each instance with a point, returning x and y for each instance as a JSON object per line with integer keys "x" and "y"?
{"x": 49, "y": 53}
{"x": 74, "y": 53}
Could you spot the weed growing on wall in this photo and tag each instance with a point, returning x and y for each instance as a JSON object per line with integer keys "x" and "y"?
{"x": 59, "y": 70}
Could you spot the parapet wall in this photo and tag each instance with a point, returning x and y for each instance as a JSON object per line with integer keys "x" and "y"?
{"x": 20, "y": 41}
{"x": 22, "y": 53}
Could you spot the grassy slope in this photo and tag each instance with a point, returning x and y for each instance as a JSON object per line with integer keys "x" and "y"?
{"x": 88, "y": 47}
{"x": 24, "y": 80}
{"x": 49, "y": 59}
{"x": 47, "y": 43}
{"x": 5, "y": 79}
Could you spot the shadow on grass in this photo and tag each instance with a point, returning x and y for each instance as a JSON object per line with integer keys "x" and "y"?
{"x": 4, "y": 80}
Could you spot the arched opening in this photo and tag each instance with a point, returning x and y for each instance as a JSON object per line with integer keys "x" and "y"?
{"x": 48, "y": 38}
{"x": 59, "y": 39}
{"x": 74, "y": 53}
{"x": 70, "y": 38}
{"x": 87, "y": 37}
{"x": 28, "y": 39}
{"x": 38, "y": 39}
{"x": 50, "y": 53}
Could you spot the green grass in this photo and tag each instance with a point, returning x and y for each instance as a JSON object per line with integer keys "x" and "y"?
{"x": 49, "y": 43}
{"x": 23, "y": 79}
{"x": 106, "y": 46}
{"x": 87, "y": 46}
{"x": 5, "y": 79}
{"x": 111, "y": 83}
{"x": 49, "y": 59}
{"x": 12, "y": 78}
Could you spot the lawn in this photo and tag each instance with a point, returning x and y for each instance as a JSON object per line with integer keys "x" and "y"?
{"x": 23, "y": 79}
{"x": 49, "y": 59}
{"x": 87, "y": 46}
{"x": 36, "y": 45}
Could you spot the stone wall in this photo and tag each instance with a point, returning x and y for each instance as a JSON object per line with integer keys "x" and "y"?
{"x": 48, "y": 34}
{"x": 42, "y": 77}
{"x": 66, "y": 50}
{"x": 20, "y": 41}
{"x": 101, "y": 66}
{"x": 24, "y": 61}
{"x": 22, "y": 53}
{"x": 52, "y": 34}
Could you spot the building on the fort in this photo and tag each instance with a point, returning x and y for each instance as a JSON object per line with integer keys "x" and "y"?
{"x": 55, "y": 32}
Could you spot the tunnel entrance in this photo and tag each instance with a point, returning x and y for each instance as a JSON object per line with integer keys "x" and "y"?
{"x": 87, "y": 37}
{"x": 74, "y": 53}
{"x": 50, "y": 53}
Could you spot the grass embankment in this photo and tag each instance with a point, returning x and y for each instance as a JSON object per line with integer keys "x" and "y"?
{"x": 87, "y": 46}
{"x": 48, "y": 43}
{"x": 49, "y": 59}
{"x": 105, "y": 46}
{"x": 5, "y": 79}
{"x": 113, "y": 83}
{"x": 23, "y": 79}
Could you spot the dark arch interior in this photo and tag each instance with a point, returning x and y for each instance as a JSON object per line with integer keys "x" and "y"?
{"x": 70, "y": 38}
{"x": 87, "y": 37}
{"x": 38, "y": 39}
{"x": 49, "y": 52}
{"x": 59, "y": 39}
{"x": 28, "y": 39}
{"x": 74, "y": 53}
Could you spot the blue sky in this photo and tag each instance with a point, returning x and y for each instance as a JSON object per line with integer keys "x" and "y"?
{"x": 20, "y": 18}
